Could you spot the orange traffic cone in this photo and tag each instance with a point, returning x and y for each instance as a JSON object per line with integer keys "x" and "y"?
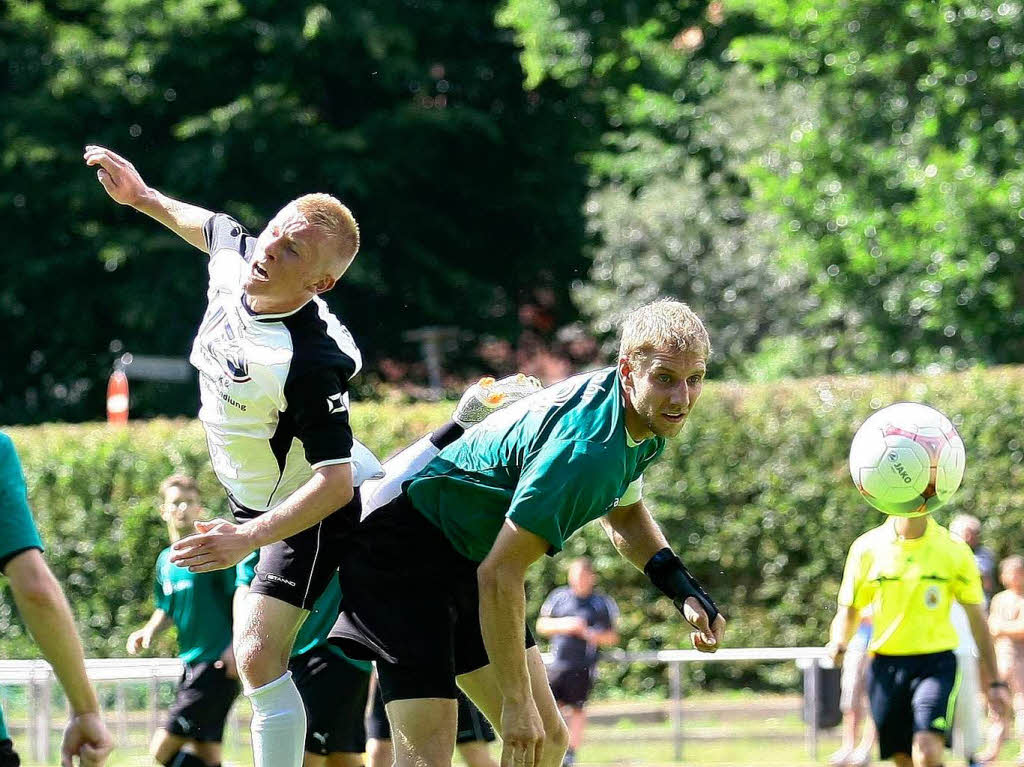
{"x": 117, "y": 398}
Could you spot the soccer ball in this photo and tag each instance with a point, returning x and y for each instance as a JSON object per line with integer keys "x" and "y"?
{"x": 907, "y": 459}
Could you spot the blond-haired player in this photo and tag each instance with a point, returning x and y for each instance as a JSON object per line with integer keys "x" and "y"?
{"x": 449, "y": 555}
{"x": 274, "y": 367}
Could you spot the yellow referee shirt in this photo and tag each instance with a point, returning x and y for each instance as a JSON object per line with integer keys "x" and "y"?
{"x": 910, "y": 585}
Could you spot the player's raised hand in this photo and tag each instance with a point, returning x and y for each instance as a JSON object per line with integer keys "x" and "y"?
{"x": 705, "y": 638}
{"x": 118, "y": 176}
{"x": 218, "y": 544}
{"x": 87, "y": 738}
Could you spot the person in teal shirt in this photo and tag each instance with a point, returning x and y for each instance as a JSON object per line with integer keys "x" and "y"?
{"x": 199, "y": 606}
{"x": 433, "y": 581}
{"x": 42, "y": 605}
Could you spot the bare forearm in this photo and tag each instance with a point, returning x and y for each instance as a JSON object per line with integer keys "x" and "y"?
{"x": 982, "y": 638}
{"x": 605, "y": 638}
{"x": 48, "y": 617}
{"x": 308, "y": 505}
{"x": 634, "y": 533}
{"x": 158, "y": 622}
{"x": 502, "y": 618}
{"x": 553, "y": 626}
{"x": 182, "y": 218}
{"x": 843, "y": 625}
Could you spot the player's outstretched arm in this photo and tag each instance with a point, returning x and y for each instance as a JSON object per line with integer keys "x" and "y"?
{"x": 637, "y": 537}
{"x": 997, "y": 689}
{"x": 501, "y": 579}
{"x": 42, "y": 605}
{"x": 124, "y": 184}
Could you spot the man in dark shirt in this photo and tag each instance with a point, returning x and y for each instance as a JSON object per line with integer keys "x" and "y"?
{"x": 579, "y": 620}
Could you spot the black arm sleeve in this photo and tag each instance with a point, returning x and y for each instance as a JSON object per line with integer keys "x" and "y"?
{"x": 317, "y": 404}
{"x": 670, "y": 576}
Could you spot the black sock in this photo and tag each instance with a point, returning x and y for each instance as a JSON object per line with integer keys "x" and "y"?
{"x": 447, "y": 434}
{"x": 185, "y": 759}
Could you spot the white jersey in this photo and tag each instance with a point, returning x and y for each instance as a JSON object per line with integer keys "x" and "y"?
{"x": 273, "y": 387}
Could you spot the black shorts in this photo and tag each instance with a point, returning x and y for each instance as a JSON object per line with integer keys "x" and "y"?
{"x": 297, "y": 569}
{"x": 571, "y": 686}
{"x": 334, "y": 693}
{"x": 202, "y": 703}
{"x": 8, "y": 756}
{"x": 909, "y": 694}
{"x": 473, "y": 725}
{"x": 410, "y": 602}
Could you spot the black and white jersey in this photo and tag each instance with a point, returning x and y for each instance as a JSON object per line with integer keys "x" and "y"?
{"x": 273, "y": 387}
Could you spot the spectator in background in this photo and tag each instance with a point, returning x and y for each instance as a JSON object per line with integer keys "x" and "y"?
{"x": 579, "y": 620}
{"x": 199, "y": 606}
{"x": 969, "y": 528}
{"x": 1006, "y": 622}
{"x": 41, "y": 604}
{"x": 853, "y": 701}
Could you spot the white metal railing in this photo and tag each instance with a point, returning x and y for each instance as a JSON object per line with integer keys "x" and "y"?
{"x": 38, "y": 675}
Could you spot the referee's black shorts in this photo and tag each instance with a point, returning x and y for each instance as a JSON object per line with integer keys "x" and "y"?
{"x": 298, "y": 569}
{"x": 909, "y": 694}
{"x": 473, "y": 726}
{"x": 410, "y": 602}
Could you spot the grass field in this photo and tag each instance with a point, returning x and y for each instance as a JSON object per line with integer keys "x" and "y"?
{"x": 726, "y": 730}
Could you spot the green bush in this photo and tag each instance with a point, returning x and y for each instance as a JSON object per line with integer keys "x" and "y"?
{"x": 755, "y": 496}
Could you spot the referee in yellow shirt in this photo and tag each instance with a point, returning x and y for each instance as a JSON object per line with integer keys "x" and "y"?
{"x": 910, "y": 569}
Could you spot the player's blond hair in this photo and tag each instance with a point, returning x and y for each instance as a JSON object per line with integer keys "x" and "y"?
{"x": 662, "y": 326}
{"x": 328, "y": 215}
{"x": 1013, "y": 562}
{"x": 180, "y": 481}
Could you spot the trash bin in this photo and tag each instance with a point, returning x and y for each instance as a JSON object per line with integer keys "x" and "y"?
{"x": 827, "y": 689}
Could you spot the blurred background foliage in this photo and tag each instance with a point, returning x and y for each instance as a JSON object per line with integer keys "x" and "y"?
{"x": 834, "y": 186}
{"x": 755, "y": 495}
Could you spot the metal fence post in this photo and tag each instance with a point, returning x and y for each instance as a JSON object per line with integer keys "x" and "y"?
{"x": 152, "y": 702}
{"x": 811, "y": 688}
{"x": 675, "y": 684}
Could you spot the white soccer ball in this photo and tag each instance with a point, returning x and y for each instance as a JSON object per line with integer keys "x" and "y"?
{"x": 907, "y": 459}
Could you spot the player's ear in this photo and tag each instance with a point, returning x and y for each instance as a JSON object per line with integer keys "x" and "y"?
{"x": 324, "y": 284}
{"x": 625, "y": 371}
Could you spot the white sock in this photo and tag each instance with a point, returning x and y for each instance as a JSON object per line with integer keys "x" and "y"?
{"x": 278, "y": 723}
{"x": 400, "y": 468}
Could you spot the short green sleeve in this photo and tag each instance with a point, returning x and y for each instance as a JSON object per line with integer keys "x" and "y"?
{"x": 161, "y": 598}
{"x": 17, "y": 528}
{"x": 561, "y": 488}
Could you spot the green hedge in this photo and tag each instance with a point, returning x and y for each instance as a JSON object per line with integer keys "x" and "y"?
{"x": 755, "y": 496}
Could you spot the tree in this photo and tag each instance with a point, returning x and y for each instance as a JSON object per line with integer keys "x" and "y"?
{"x": 412, "y": 112}
{"x": 903, "y": 195}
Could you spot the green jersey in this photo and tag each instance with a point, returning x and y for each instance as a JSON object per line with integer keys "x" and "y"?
{"x": 199, "y": 604}
{"x": 321, "y": 618}
{"x": 551, "y": 463}
{"x": 17, "y": 528}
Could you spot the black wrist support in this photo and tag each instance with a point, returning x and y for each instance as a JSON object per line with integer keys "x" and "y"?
{"x": 670, "y": 576}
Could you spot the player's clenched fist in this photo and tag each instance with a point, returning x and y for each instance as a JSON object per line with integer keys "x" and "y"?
{"x": 118, "y": 176}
